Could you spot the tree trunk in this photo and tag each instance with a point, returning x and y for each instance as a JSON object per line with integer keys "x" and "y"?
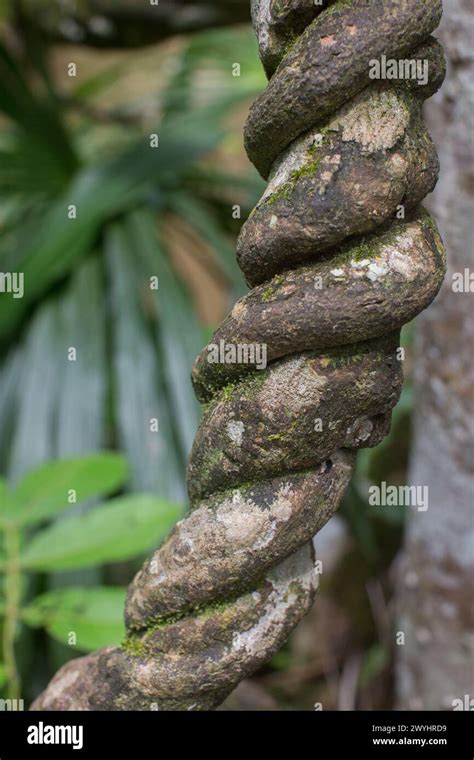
{"x": 435, "y": 665}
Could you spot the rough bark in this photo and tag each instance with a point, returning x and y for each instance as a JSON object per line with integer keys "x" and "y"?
{"x": 436, "y": 593}
{"x": 129, "y": 23}
{"x": 341, "y": 300}
{"x": 234, "y": 578}
{"x": 328, "y": 64}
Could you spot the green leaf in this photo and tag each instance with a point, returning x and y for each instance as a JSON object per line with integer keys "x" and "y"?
{"x": 3, "y": 675}
{"x": 55, "y": 245}
{"x": 44, "y": 492}
{"x": 39, "y": 118}
{"x": 10, "y": 379}
{"x": 4, "y": 497}
{"x": 188, "y": 91}
{"x": 179, "y": 333}
{"x": 139, "y": 394}
{"x": 81, "y": 398}
{"x": 93, "y": 614}
{"x": 35, "y": 395}
{"x": 121, "y": 529}
{"x": 94, "y": 85}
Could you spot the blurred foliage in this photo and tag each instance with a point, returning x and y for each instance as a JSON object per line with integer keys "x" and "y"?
{"x": 122, "y": 528}
{"x": 88, "y": 286}
{"x": 87, "y": 279}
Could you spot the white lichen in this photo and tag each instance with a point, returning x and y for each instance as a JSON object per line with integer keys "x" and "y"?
{"x": 235, "y": 431}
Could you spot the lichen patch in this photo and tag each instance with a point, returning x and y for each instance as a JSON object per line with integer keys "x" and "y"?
{"x": 375, "y": 120}
{"x": 235, "y": 430}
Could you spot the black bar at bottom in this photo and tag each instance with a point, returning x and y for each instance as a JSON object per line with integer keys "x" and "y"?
{"x": 374, "y": 734}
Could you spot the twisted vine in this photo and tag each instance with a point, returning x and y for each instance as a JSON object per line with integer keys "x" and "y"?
{"x": 340, "y": 255}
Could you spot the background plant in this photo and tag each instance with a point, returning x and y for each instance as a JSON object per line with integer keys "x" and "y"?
{"x": 85, "y": 286}
{"x": 119, "y": 529}
{"x": 88, "y": 287}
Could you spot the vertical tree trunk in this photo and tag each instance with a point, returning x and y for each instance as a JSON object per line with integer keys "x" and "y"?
{"x": 435, "y": 665}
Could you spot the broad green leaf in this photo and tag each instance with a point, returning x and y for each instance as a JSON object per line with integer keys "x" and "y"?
{"x": 44, "y": 492}
{"x": 211, "y": 50}
{"x": 39, "y": 118}
{"x": 65, "y": 399}
{"x": 34, "y": 401}
{"x": 179, "y": 333}
{"x": 81, "y": 398}
{"x": 140, "y": 397}
{"x": 98, "y": 193}
{"x": 121, "y": 529}
{"x": 10, "y": 378}
{"x": 3, "y": 675}
{"x": 93, "y": 614}
{"x": 81, "y": 411}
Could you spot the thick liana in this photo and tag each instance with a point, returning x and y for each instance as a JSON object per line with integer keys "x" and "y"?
{"x": 340, "y": 255}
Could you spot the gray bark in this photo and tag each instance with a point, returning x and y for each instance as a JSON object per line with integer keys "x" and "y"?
{"x": 435, "y": 666}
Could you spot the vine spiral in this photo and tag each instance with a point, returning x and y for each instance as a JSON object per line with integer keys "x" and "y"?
{"x": 340, "y": 255}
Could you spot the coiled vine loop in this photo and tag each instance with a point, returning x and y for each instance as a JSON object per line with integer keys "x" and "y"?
{"x": 340, "y": 255}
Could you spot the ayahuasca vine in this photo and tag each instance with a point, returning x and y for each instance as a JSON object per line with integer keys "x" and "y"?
{"x": 340, "y": 255}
